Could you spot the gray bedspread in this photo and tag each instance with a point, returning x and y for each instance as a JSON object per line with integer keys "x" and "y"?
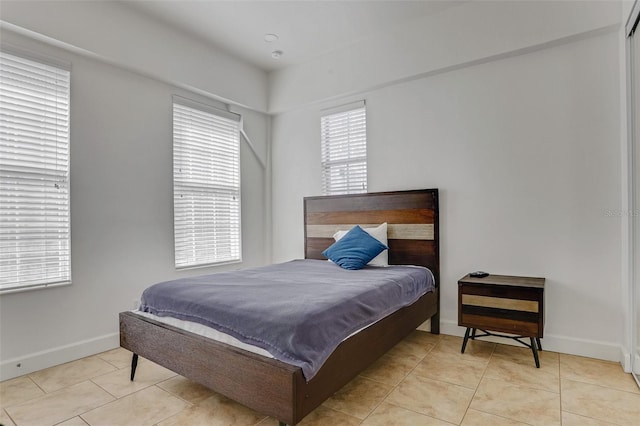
{"x": 299, "y": 311}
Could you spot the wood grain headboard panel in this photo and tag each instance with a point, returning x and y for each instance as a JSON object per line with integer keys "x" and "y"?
{"x": 412, "y": 218}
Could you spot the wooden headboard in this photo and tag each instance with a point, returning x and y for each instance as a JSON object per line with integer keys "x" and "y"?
{"x": 412, "y": 218}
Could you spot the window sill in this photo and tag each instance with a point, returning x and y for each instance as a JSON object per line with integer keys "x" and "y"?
{"x": 22, "y": 289}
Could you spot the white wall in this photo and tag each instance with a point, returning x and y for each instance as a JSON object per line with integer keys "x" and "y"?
{"x": 122, "y": 35}
{"x": 473, "y": 32}
{"x": 525, "y": 151}
{"x": 121, "y": 214}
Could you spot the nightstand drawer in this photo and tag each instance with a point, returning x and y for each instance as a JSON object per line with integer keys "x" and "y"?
{"x": 500, "y": 302}
{"x": 502, "y": 291}
{"x": 504, "y": 321}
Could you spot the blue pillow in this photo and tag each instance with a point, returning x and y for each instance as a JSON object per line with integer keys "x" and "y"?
{"x": 355, "y": 249}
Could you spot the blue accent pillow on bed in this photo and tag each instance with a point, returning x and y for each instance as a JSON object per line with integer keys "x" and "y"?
{"x": 354, "y": 250}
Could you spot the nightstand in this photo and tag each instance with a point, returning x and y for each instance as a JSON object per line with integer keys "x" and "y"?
{"x": 507, "y": 304}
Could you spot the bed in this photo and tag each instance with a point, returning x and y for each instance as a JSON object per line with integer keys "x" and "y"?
{"x": 279, "y": 389}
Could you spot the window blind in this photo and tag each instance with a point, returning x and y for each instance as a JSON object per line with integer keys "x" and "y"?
{"x": 206, "y": 185}
{"x": 35, "y": 246}
{"x": 344, "y": 151}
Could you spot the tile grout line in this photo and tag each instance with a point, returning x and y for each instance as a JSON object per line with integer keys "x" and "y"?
{"x": 110, "y": 363}
{"x": 407, "y": 375}
{"x": 61, "y": 389}
{"x": 584, "y": 383}
{"x": 520, "y": 385}
{"x": 27, "y": 400}
{"x": 104, "y": 374}
{"x": 456, "y": 384}
{"x": 8, "y": 415}
{"x": 560, "y": 385}
{"x": 399, "y": 383}
{"x": 189, "y": 404}
{"x": 438, "y": 380}
{"x": 492, "y": 356}
{"x": 351, "y": 415}
{"x": 261, "y": 420}
{"x": 109, "y": 402}
{"x": 580, "y": 379}
{"x": 78, "y": 416}
{"x": 37, "y": 385}
{"x": 115, "y": 400}
{"x": 115, "y": 396}
{"x": 393, "y": 387}
{"x": 475, "y": 391}
{"x": 577, "y": 380}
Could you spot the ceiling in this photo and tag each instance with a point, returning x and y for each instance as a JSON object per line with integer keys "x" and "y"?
{"x": 305, "y": 28}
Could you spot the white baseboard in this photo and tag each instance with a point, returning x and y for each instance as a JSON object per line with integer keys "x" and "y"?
{"x": 562, "y": 344}
{"x": 625, "y": 360}
{"x": 37, "y": 361}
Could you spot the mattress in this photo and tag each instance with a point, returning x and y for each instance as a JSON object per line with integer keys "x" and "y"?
{"x": 219, "y": 336}
{"x": 297, "y": 311}
{"x": 208, "y": 332}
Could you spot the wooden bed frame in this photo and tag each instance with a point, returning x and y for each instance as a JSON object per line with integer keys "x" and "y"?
{"x": 278, "y": 389}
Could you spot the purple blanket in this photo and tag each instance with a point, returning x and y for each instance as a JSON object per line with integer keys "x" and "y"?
{"x": 298, "y": 311}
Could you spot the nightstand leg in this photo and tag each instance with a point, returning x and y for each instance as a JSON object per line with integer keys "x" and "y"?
{"x": 473, "y": 334}
{"x": 539, "y": 344}
{"x": 466, "y": 338}
{"x": 534, "y": 348}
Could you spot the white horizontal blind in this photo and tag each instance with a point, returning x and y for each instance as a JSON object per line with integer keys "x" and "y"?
{"x": 206, "y": 187}
{"x": 35, "y": 246}
{"x": 344, "y": 151}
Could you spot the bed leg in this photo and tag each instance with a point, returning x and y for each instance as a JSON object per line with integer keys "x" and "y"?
{"x": 134, "y": 364}
{"x": 281, "y": 423}
{"x": 435, "y": 323}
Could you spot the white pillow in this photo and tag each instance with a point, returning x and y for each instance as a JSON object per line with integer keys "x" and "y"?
{"x": 380, "y": 234}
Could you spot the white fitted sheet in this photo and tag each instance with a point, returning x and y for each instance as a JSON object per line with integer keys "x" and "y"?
{"x": 205, "y": 331}
{"x": 218, "y": 336}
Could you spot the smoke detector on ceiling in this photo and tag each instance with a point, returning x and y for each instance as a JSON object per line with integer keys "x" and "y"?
{"x": 276, "y": 54}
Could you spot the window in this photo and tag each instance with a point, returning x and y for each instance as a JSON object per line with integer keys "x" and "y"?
{"x": 344, "y": 150}
{"x": 35, "y": 245}
{"x": 206, "y": 184}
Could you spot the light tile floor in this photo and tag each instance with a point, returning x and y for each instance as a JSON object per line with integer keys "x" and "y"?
{"x": 424, "y": 380}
